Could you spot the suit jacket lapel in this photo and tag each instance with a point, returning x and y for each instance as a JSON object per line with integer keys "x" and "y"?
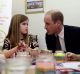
{"x": 65, "y": 37}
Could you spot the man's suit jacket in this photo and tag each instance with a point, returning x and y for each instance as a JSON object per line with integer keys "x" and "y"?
{"x": 71, "y": 38}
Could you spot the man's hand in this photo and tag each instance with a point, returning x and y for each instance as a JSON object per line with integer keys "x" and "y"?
{"x": 71, "y": 56}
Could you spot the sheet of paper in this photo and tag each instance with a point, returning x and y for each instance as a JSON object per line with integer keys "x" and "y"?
{"x": 72, "y": 65}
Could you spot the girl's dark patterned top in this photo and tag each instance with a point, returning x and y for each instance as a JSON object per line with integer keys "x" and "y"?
{"x": 33, "y": 43}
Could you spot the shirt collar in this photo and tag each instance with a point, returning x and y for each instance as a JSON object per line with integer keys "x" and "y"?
{"x": 61, "y": 34}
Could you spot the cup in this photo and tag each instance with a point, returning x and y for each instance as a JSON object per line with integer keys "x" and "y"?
{"x": 59, "y": 56}
{"x": 45, "y": 64}
{"x": 17, "y": 65}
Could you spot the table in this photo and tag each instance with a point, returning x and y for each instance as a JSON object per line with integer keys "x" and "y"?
{"x": 32, "y": 70}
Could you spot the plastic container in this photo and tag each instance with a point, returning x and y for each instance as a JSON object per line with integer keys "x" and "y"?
{"x": 45, "y": 64}
{"x": 18, "y": 65}
{"x": 59, "y": 56}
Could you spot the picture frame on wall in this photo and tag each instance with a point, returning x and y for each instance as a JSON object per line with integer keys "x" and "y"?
{"x": 34, "y": 6}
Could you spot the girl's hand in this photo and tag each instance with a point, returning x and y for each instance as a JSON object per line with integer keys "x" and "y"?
{"x": 22, "y": 46}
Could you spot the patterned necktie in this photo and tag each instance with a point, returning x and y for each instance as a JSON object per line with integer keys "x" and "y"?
{"x": 58, "y": 45}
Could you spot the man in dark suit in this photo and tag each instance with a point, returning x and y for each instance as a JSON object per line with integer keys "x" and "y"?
{"x": 69, "y": 36}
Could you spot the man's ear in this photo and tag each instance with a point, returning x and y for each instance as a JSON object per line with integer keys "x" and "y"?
{"x": 58, "y": 22}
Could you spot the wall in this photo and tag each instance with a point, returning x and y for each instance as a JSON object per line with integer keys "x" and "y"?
{"x": 70, "y": 9}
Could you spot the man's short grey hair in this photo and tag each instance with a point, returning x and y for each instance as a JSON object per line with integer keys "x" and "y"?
{"x": 56, "y": 15}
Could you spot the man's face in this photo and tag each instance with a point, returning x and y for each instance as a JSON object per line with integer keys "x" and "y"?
{"x": 50, "y": 26}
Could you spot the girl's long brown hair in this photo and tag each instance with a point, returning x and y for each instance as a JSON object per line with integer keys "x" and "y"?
{"x": 14, "y": 30}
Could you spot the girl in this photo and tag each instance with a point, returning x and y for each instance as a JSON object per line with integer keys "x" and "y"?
{"x": 17, "y": 37}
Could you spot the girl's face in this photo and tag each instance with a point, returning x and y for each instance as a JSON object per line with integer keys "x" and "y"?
{"x": 24, "y": 27}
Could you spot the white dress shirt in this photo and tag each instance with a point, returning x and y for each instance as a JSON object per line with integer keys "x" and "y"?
{"x": 61, "y": 39}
